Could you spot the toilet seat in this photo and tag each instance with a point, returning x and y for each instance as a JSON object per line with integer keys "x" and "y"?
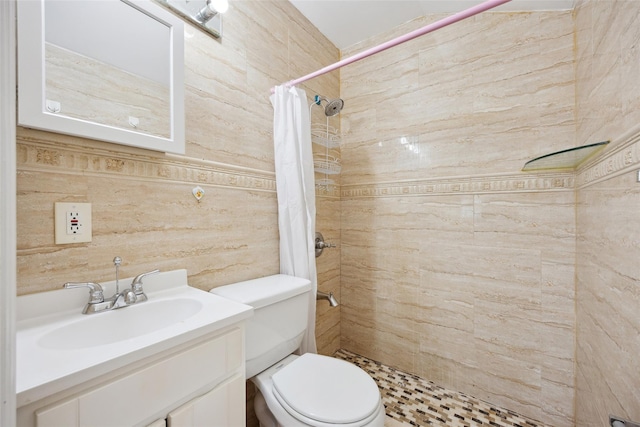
{"x": 308, "y": 390}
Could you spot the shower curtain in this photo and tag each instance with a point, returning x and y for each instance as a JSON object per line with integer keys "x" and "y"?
{"x": 296, "y": 193}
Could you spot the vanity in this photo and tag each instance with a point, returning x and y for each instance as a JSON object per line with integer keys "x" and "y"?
{"x": 176, "y": 359}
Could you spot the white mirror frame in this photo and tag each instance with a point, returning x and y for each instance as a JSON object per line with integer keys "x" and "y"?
{"x": 32, "y": 111}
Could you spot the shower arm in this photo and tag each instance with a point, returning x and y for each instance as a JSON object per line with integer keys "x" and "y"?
{"x": 482, "y": 7}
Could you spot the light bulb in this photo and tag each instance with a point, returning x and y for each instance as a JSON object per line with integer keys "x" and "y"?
{"x": 211, "y": 9}
{"x": 220, "y": 6}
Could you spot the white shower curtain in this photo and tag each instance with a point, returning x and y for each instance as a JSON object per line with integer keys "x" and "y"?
{"x": 296, "y": 193}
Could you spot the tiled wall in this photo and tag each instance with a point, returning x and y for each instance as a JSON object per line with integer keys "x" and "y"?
{"x": 143, "y": 209}
{"x": 608, "y": 249}
{"x": 455, "y": 265}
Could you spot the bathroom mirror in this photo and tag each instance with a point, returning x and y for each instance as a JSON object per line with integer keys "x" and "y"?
{"x": 111, "y": 70}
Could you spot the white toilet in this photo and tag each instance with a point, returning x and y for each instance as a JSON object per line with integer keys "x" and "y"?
{"x": 298, "y": 391}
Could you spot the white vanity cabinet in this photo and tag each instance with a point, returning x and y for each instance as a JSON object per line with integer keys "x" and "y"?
{"x": 219, "y": 407}
{"x": 200, "y": 383}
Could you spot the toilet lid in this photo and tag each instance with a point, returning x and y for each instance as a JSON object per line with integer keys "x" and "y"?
{"x": 326, "y": 389}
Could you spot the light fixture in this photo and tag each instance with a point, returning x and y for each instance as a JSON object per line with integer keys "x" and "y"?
{"x": 211, "y": 9}
{"x": 204, "y": 14}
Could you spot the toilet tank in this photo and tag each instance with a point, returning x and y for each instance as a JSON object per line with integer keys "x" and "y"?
{"x": 279, "y": 322}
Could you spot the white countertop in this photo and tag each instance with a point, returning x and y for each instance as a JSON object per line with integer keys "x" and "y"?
{"x": 42, "y": 370}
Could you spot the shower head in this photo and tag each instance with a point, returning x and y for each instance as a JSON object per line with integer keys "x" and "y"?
{"x": 333, "y": 107}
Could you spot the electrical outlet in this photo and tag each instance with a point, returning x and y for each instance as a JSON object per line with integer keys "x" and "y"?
{"x": 72, "y": 223}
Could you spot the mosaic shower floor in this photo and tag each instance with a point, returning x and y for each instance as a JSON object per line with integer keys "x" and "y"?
{"x": 411, "y": 400}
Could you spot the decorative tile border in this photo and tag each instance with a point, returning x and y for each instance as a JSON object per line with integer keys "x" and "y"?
{"x": 33, "y": 154}
{"x": 36, "y": 154}
{"x": 414, "y": 401}
{"x": 464, "y": 185}
{"x": 622, "y": 158}
{"x": 332, "y": 192}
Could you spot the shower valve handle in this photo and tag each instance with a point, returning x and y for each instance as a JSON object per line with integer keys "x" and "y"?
{"x": 321, "y": 244}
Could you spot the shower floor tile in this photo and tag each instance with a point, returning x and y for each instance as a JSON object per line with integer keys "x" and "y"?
{"x": 411, "y": 400}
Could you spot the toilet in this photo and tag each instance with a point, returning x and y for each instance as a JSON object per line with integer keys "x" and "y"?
{"x": 293, "y": 390}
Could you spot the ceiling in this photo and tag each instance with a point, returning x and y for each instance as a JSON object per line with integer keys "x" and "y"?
{"x": 346, "y": 22}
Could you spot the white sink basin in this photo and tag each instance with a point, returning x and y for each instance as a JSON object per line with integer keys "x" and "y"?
{"x": 121, "y": 324}
{"x": 58, "y": 347}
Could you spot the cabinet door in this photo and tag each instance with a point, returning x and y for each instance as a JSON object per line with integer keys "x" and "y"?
{"x": 140, "y": 396}
{"x": 159, "y": 423}
{"x": 63, "y": 414}
{"x": 150, "y": 391}
{"x": 224, "y": 406}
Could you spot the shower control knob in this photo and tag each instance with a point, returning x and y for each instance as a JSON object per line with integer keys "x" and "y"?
{"x": 321, "y": 244}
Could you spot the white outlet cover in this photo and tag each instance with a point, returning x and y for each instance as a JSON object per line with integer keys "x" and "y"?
{"x": 64, "y": 212}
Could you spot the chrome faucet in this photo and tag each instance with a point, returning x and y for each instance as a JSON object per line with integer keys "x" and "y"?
{"x": 97, "y": 302}
{"x": 96, "y": 296}
{"x": 136, "y": 285}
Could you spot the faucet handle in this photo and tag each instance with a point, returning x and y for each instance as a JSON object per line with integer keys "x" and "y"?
{"x": 136, "y": 283}
{"x": 96, "y": 294}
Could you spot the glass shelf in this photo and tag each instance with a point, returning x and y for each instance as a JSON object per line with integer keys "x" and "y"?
{"x": 565, "y": 159}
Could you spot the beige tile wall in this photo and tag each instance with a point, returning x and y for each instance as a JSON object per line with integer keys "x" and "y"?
{"x": 455, "y": 265}
{"x": 479, "y": 97}
{"x": 608, "y": 294}
{"x": 143, "y": 209}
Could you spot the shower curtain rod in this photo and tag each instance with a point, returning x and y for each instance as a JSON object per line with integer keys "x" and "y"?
{"x": 482, "y": 7}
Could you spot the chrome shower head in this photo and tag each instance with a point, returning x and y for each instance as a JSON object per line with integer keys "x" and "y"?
{"x": 333, "y": 107}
